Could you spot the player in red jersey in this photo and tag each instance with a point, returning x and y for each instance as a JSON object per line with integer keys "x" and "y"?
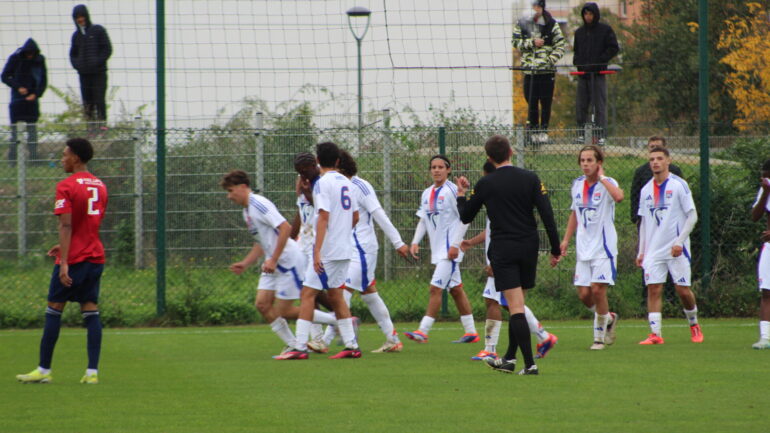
{"x": 81, "y": 200}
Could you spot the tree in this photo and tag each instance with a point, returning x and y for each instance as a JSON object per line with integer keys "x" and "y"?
{"x": 746, "y": 40}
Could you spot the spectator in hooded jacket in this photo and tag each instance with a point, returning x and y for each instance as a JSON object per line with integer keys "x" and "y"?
{"x": 542, "y": 44}
{"x": 25, "y": 74}
{"x": 89, "y": 53}
{"x": 595, "y": 45}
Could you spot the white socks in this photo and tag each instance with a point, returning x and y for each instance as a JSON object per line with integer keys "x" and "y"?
{"x": 600, "y": 326}
{"x": 381, "y": 314}
{"x": 534, "y": 325}
{"x": 425, "y": 324}
{"x": 324, "y": 318}
{"x": 347, "y": 333}
{"x": 656, "y": 323}
{"x": 44, "y": 370}
{"x": 303, "y": 333}
{"x": 281, "y": 327}
{"x": 764, "y": 329}
{"x": 692, "y": 315}
{"x": 316, "y": 331}
{"x": 91, "y": 371}
{"x": 492, "y": 334}
{"x": 468, "y": 324}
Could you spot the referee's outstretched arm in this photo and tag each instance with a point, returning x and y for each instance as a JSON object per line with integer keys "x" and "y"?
{"x": 468, "y": 207}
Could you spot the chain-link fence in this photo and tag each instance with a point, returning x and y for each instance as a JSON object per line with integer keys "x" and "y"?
{"x": 205, "y": 232}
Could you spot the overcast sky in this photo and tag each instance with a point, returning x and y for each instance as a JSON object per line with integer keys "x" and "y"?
{"x": 219, "y": 52}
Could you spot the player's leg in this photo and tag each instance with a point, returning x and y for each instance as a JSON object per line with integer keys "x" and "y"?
{"x": 441, "y": 278}
{"x": 336, "y": 273}
{"x": 494, "y": 321}
{"x": 86, "y": 279}
{"x": 463, "y": 305}
{"x": 602, "y": 315}
{"x": 381, "y": 315}
{"x": 655, "y": 276}
{"x": 307, "y": 303}
{"x": 764, "y": 319}
{"x": 679, "y": 268}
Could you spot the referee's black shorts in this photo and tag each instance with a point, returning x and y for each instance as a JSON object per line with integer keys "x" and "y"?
{"x": 514, "y": 263}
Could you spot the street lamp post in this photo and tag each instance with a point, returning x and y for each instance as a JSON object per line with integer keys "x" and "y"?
{"x": 355, "y": 14}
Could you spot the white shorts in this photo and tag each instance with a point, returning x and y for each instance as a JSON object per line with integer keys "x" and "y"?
{"x": 763, "y": 268}
{"x": 678, "y": 267}
{"x": 333, "y": 276}
{"x": 602, "y": 271}
{"x": 286, "y": 283}
{"x": 491, "y": 293}
{"x": 446, "y": 275}
{"x": 361, "y": 271}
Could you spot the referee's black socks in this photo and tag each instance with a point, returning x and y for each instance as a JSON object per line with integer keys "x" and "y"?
{"x": 519, "y": 338}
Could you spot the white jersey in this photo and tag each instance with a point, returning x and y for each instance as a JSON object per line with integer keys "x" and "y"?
{"x": 595, "y": 212}
{"x": 767, "y": 203}
{"x": 263, "y": 219}
{"x": 364, "y": 235}
{"x": 664, "y": 209}
{"x": 487, "y": 240}
{"x": 438, "y": 210}
{"x": 333, "y": 193}
{"x": 306, "y": 224}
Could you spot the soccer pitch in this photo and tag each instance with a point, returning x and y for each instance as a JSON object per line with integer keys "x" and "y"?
{"x": 224, "y": 380}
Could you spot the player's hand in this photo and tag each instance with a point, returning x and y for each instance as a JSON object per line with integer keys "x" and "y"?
{"x": 765, "y": 236}
{"x": 318, "y": 266}
{"x": 555, "y": 259}
{"x": 238, "y": 268}
{"x": 489, "y": 271}
{"x": 453, "y": 253}
{"x": 64, "y": 275}
{"x": 414, "y": 250}
{"x": 23, "y": 91}
{"x": 31, "y": 97}
{"x": 601, "y": 171}
{"x": 538, "y": 42}
{"x": 676, "y": 251}
{"x": 269, "y": 265}
{"x": 564, "y": 246}
{"x": 465, "y": 245}
{"x": 54, "y": 251}
{"x": 462, "y": 185}
{"x": 403, "y": 251}
{"x": 639, "y": 260}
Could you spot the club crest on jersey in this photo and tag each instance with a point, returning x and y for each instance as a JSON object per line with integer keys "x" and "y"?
{"x": 440, "y": 199}
{"x": 597, "y": 197}
{"x": 60, "y": 203}
{"x": 669, "y": 193}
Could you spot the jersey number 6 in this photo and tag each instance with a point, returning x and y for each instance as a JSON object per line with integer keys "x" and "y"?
{"x": 345, "y": 198}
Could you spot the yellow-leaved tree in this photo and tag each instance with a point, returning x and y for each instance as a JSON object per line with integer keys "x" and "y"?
{"x": 747, "y": 40}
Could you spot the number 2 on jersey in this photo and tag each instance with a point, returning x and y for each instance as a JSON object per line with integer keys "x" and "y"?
{"x": 345, "y": 198}
{"x": 93, "y": 199}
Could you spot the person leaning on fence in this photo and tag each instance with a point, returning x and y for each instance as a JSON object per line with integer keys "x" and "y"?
{"x": 542, "y": 44}
{"x": 595, "y": 45}
{"x": 762, "y": 207}
{"x": 81, "y": 200}
{"x": 642, "y": 175}
{"x": 25, "y": 73}
{"x": 90, "y": 50}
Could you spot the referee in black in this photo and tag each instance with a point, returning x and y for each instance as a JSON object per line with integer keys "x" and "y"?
{"x": 510, "y": 195}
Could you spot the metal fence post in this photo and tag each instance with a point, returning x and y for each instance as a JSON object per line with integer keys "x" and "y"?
{"x": 442, "y": 151}
{"x": 138, "y": 139}
{"x": 160, "y": 237}
{"x": 259, "y": 168}
{"x": 519, "y": 143}
{"x": 21, "y": 164}
{"x": 387, "y": 200}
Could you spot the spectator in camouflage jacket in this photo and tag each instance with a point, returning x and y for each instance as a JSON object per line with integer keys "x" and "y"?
{"x": 541, "y": 43}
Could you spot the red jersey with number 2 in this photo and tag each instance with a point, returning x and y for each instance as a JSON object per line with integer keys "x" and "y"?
{"x": 85, "y": 197}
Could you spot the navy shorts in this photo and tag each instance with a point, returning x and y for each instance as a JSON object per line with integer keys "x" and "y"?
{"x": 85, "y": 283}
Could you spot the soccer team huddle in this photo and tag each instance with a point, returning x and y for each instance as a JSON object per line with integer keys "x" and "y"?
{"x": 329, "y": 251}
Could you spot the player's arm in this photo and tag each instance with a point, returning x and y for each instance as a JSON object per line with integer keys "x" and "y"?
{"x": 689, "y": 224}
{"x": 284, "y": 230}
{"x": 390, "y": 231}
{"x": 615, "y": 192}
{"x": 355, "y": 218}
{"x": 320, "y": 233}
{"x": 419, "y": 233}
{"x": 65, "y": 239}
{"x": 256, "y": 252}
{"x": 759, "y": 207}
{"x": 472, "y": 242}
{"x": 295, "y": 224}
{"x": 454, "y": 249}
{"x": 470, "y": 206}
{"x": 571, "y": 226}
{"x": 642, "y": 243}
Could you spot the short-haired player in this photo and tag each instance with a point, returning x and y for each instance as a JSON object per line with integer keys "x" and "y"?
{"x": 596, "y": 242}
{"x": 762, "y": 207}
{"x": 668, "y": 215}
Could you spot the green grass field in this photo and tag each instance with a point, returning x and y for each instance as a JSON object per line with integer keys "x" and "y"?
{"x": 223, "y": 380}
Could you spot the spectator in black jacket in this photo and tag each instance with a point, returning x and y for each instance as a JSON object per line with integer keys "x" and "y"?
{"x": 25, "y": 73}
{"x": 642, "y": 175}
{"x": 89, "y": 53}
{"x": 595, "y": 45}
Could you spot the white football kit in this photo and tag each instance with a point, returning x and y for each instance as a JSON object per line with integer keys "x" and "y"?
{"x": 364, "y": 260}
{"x": 333, "y": 193}
{"x": 438, "y": 211}
{"x": 664, "y": 210}
{"x": 263, "y": 219}
{"x": 763, "y": 267}
{"x": 596, "y": 242}
{"x": 306, "y": 224}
